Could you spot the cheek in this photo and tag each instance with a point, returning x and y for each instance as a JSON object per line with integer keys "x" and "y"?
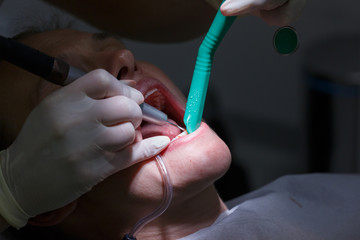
{"x": 142, "y": 182}
{"x": 147, "y": 182}
{"x": 139, "y": 185}
{"x": 45, "y": 88}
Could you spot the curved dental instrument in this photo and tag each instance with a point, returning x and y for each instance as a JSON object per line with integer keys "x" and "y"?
{"x": 59, "y": 72}
{"x": 153, "y": 115}
{"x": 197, "y": 94}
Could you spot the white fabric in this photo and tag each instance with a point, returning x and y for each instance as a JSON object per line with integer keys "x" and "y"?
{"x": 306, "y": 207}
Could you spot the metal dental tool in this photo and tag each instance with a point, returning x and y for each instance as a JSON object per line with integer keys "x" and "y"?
{"x": 59, "y": 72}
{"x": 197, "y": 94}
{"x": 153, "y": 115}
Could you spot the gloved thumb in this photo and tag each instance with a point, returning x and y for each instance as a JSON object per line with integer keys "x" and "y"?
{"x": 149, "y": 147}
{"x": 140, "y": 151}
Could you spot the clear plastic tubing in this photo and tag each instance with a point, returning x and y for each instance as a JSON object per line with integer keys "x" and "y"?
{"x": 168, "y": 194}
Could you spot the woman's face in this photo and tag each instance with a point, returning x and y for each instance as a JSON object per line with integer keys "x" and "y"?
{"x": 194, "y": 161}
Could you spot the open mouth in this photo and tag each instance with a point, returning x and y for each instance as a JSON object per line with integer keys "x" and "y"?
{"x": 158, "y": 96}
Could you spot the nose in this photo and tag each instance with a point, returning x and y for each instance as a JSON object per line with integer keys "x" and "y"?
{"x": 120, "y": 63}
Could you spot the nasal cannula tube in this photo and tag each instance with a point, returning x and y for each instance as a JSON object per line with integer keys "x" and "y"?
{"x": 167, "y": 197}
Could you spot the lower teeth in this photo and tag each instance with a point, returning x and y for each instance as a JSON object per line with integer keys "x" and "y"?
{"x": 180, "y": 135}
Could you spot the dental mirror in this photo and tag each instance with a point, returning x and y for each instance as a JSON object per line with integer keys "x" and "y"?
{"x": 286, "y": 40}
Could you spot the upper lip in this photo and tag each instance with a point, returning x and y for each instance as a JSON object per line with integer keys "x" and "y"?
{"x": 159, "y": 96}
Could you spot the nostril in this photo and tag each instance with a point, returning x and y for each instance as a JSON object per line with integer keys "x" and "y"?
{"x": 122, "y": 73}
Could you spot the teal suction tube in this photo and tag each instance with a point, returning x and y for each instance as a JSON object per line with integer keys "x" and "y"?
{"x": 199, "y": 84}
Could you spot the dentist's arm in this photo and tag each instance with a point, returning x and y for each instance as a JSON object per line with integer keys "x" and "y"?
{"x": 152, "y": 21}
{"x": 174, "y": 20}
{"x": 75, "y": 138}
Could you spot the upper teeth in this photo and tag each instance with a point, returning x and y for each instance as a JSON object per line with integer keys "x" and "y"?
{"x": 150, "y": 92}
{"x": 158, "y": 100}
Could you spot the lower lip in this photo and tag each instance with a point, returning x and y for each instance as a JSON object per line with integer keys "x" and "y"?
{"x": 189, "y": 137}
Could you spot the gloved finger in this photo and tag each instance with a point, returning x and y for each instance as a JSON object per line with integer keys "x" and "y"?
{"x": 139, "y": 151}
{"x": 118, "y": 109}
{"x": 116, "y": 138}
{"x": 241, "y": 7}
{"x": 99, "y": 84}
{"x": 284, "y": 15}
{"x": 130, "y": 83}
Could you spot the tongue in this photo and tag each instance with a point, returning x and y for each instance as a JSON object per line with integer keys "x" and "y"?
{"x": 151, "y": 130}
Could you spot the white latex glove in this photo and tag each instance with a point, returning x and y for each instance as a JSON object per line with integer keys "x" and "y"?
{"x": 76, "y": 137}
{"x": 273, "y": 12}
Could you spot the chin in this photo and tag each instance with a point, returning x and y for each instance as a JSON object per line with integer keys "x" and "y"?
{"x": 197, "y": 160}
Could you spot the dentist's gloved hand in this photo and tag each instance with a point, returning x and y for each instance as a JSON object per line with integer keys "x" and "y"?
{"x": 76, "y": 137}
{"x": 273, "y": 12}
